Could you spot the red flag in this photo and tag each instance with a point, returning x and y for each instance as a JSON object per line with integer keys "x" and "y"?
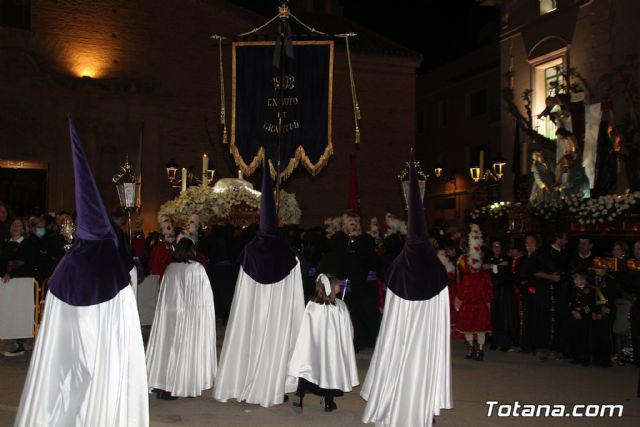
{"x": 353, "y": 198}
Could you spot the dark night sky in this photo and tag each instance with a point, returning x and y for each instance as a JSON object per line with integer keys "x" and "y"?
{"x": 439, "y": 29}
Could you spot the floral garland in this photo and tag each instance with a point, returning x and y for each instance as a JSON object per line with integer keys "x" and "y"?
{"x": 210, "y": 202}
{"x": 495, "y": 210}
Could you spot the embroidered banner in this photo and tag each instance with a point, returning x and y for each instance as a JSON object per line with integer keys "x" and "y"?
{"x": 305, "y": 106}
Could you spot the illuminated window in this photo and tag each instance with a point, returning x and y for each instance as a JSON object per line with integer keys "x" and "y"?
{"x": 547, "y": 6}
{"x": 15, "y": 13}
{"x": 548, "y": 82}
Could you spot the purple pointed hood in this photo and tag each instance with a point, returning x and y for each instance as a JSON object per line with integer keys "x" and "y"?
{"x": 267, "y": 258}
{"x": 416, "y": 274}
{"x": 93, "y": 270}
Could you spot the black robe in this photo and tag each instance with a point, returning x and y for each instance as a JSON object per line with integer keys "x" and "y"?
{"x": 538, "y": 302}
{"x": 560, "y": 296}
{"x": 504, "y": 307}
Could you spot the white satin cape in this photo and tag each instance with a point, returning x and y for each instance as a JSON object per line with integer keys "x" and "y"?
{"x": 262, "y": 330}
{"x": 181, "y": 354}
{"x": 324, "y": 353}
{"x": 409, "y": 378}
{"x": 87, "y": 367}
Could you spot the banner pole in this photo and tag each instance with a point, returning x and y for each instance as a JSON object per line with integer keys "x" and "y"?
{"x": 284, "y": 11}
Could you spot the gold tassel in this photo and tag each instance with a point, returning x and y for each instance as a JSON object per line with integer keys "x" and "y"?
{"x": 224, "y": 135}
{"x": 357, "y": 136}
{"x": 358, "y": 115}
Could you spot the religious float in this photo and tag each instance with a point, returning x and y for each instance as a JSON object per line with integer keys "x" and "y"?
{"x": 230, "y": 200}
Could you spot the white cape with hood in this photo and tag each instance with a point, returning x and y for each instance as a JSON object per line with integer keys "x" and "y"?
{"x": 259, "y": 341}
{"x": 87, "y": 367}
{"x": 181, "y": 355}
{"x": 324, "y": 353}
{"x": 409, "y": 378}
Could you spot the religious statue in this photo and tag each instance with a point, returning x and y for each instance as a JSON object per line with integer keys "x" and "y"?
{"x": 543, "y": 179}
{"x": 571, "y": 177}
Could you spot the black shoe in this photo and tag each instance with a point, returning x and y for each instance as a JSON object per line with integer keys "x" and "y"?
{"x": 471, "y": 351}
{"x": 16, "y": 350}
{"x": 493, "y": 347}
{"x": 330, "y": 405}
{"x": 286, "y": 398}
{"x": 297, "y": 404}
{"x": 165, "y": 395}
{"x": 479, "y": 356}
{"x": 504, "y": 349}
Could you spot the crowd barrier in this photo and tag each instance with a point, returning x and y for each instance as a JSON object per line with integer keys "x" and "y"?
{"x": 20, "y": 308}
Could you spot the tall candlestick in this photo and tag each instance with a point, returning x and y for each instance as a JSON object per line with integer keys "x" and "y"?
{"x": 183, "y": 182}
{"x": 205, "y": 166}
{"x": 481, "y": 161}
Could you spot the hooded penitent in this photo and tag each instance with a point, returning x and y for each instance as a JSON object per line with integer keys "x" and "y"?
{"x": 88, "y": 363}
{"x": 265, "y": 318}
{"x": 409, "y": 378}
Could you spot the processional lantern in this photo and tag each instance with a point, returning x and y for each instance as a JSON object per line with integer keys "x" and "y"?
{"x": 405, "y": 181}
{"x": 128, "y": 187}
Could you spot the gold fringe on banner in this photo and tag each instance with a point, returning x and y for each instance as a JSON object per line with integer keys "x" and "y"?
{"x": 300, "y": 156}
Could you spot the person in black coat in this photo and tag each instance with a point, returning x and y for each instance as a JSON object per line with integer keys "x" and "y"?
{"x": 561, "y": 290}
{"x": 18, "y": 255}
{"x": 583, "y": 259}
{"x": 602, "y": 317}
{"x": 581, "y": 303}
{"x": 504, "y": 307}
{"x": 538, "y": 305}
{"x": 366, "y": 296}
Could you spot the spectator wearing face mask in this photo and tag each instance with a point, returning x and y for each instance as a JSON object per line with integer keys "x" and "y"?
{"x": 49, "y": 247}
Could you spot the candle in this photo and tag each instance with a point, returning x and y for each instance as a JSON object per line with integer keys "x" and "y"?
{"x": 481, "y": 161}
{"x": 205, "y": 166}
{"x": 239, "y": 174}
{"x": 525, "y": 159}
{"x": 183, "y": 182}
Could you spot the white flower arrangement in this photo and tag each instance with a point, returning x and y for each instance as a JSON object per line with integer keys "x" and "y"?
{"x": 495, "y": 210}
{"x": 547, "y": 210}
{"x": 592, "y": 211}
{"x": 603, "y": 209}
{"x": 209, "y": 202}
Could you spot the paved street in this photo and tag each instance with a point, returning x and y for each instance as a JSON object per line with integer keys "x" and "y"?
{"x": 504, "y": 377}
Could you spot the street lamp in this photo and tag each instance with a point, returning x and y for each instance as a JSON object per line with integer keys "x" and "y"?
{"x": 437, "y": 170}
{"x": 498, "y": 166}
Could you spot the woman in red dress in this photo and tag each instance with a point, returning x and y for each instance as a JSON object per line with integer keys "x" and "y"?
{"x": 473, "y": 299}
